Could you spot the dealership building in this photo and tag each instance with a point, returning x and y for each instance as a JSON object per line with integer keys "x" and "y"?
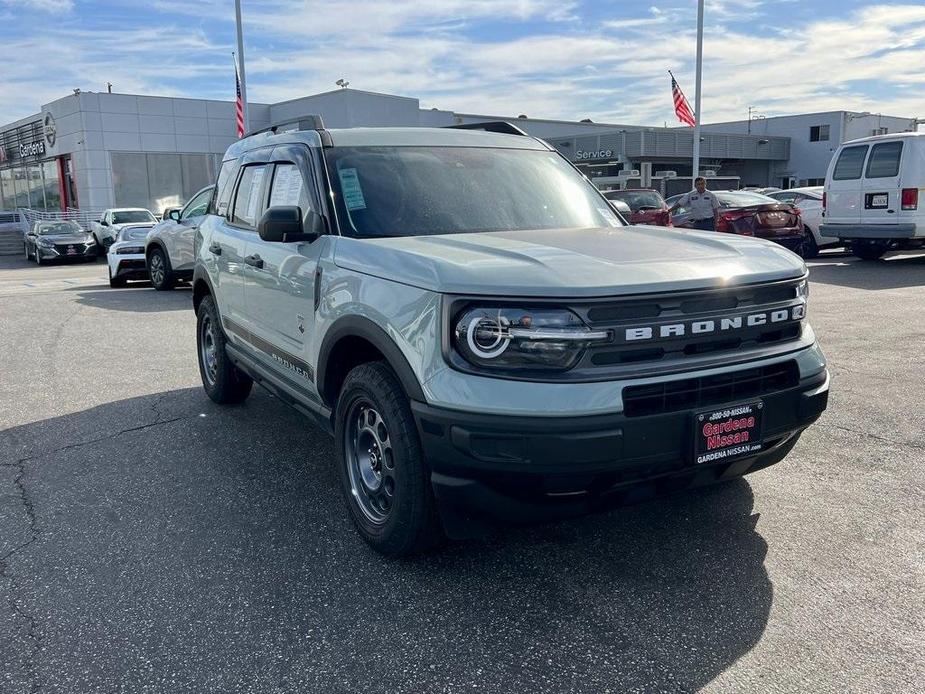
{"x": 96, "y": 150}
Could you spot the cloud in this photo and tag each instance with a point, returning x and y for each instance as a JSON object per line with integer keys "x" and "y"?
{"x": 41, "y": 5}
{"x": 503, "y": 57}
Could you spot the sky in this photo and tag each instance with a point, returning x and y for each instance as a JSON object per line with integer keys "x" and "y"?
{"x": 601, "y": 59}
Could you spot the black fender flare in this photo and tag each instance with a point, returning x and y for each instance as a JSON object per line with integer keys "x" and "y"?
{"x": 362, "y": 327}
{"x": 200, "y": 275}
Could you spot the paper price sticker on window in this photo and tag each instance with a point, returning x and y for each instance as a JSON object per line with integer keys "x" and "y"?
{"x": 287, "y": 187}
{"x": 350, "y": 187}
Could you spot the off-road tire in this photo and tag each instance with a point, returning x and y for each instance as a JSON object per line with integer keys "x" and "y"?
{"x": 222, "y": 381}
{"x": 411, "y": 524}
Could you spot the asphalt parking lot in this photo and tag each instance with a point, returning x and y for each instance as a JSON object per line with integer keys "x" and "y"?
{"x": 152, "y": 541}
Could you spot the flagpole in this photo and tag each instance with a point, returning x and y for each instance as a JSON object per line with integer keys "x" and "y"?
{"x": 697, "y": 94}
{"x": 240, "y": 64}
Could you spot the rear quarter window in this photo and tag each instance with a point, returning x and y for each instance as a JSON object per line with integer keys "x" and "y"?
{"x": 884, "y": 160}
{"x": 850, "y": 163}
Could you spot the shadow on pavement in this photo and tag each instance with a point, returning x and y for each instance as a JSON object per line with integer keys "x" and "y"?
{"x": 132, "y": 298}
{"x": 894, "y": 271}
{"x": 209, "y": 547}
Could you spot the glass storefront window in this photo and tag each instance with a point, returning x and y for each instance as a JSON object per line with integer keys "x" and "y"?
{"x": 6, "y": 187}
{"x": 52, "y": 186}
{"x": 156, "y": 181}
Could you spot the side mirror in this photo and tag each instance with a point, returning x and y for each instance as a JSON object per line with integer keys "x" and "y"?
{"x": 104, "y": 223}
{"x": 174, "y": 215}
{"x": 283, "y": 224}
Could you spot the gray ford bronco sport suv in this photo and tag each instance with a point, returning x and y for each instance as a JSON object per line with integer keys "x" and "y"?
{"x": 485, "y": 338}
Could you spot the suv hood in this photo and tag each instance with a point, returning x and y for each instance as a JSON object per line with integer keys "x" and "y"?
{"x": 569, "y": 262}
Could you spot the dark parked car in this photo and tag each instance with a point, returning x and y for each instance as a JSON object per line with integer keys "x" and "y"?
{"x": 58, "y": 239}
{"x": 646, "y": 206}
{"x": 751, "y": 214}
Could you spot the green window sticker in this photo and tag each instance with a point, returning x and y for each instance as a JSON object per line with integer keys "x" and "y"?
{"x": 350, "y": 186}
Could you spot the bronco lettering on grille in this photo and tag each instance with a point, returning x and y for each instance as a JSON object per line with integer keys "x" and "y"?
{"x": 715, "y": 325}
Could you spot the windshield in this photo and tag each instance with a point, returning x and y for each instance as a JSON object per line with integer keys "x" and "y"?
{"x": 59, "y": 228}
{"x": 637, "y": 199}
{"x": 418, "y": 191}
{"x": 129, "y": 216}
{"x": 741, "y": 198}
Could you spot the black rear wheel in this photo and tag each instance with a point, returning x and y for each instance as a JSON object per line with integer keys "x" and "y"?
{"x": 384, "y": 476}
{"x": 222, "y": 381}
{"x": 810, "y": 248}
{"x": 869, "y": 249}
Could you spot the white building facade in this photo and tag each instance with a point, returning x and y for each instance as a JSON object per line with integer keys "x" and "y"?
{"x": 814, "y": 137}
{"x": 96, "y": 150}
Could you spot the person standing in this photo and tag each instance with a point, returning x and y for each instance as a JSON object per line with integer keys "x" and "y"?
{"x": 703, "y": 205}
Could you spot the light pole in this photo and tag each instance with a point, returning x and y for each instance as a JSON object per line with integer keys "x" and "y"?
{"x": 697, "y": 93}
{"x": 237, "y": 12}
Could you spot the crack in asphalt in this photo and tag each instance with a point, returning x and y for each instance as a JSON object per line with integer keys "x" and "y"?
{"x": 31, "y": 633}
{"x": 881, "y": 439}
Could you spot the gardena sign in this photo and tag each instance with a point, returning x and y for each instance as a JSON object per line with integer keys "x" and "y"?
{"x": 33, "y": 149}
{"x": 598, "y": 154}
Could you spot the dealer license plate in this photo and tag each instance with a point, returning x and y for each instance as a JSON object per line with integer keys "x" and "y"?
{"x": 728, "y": 433}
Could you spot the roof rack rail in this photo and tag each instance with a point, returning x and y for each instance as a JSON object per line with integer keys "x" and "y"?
{"x": 493, "y": 126}
{"x": 307, "y": 122}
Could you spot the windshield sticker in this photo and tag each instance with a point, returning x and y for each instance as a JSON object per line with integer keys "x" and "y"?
{"x": 353, "y": 193}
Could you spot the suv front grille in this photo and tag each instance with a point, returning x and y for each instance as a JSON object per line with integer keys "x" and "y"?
{"x": 673, "y": 396}
{"x": 702, "y": 318}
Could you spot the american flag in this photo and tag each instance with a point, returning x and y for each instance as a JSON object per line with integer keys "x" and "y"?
{"x": 238, "y": 103}
{"x": 681, "y": 108}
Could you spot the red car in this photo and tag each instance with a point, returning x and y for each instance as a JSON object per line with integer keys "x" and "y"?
{"x": 646, "y": 206}
{"x": 752, "y": 214}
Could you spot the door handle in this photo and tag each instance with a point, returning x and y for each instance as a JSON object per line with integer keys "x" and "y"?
{"x": 254, "y": 261}
{"x": 215, "y": 248}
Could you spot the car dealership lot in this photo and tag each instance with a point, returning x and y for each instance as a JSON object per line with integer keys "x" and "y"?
{"x": 152, "y": 541}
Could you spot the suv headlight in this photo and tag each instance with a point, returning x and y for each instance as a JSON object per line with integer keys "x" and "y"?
{"x": 522, "y": 338}
{"x": 803, "y": 293}
{"x": 45, "y": 243}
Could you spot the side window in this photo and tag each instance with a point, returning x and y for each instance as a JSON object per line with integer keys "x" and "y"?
{"x": 198, "y": 205}
{"x": 222, "y": 194}
{"x": 247, "y": 197}
{"x": 288, "y": 188}
{"x": 850, "y": 163}
{"x": 884, "y": 160}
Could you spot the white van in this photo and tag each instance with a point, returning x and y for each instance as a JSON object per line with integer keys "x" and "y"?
{"x": 872, "y": 194}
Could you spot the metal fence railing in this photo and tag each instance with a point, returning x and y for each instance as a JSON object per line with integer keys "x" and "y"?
{"x": 26, "y": 217}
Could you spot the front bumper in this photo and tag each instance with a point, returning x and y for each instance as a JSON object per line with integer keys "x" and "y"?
{"x": 872, "y": 231}
{"x": 81, "y": 252}
{"x": 130, "y": 267}
{"x": 489, "y": 469}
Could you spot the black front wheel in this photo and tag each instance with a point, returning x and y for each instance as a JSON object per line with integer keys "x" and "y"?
{"x": 222, "y": 382}
{"x": 383, "y": 473}
{"x": 159, "y": 270}
{"x": 25, "y": 247}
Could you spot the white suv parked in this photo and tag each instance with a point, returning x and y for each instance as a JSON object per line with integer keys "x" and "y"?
{"x": 872, "y": 194}
{"x": 169, "y": 249}
{"x": 112, "y": 222}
